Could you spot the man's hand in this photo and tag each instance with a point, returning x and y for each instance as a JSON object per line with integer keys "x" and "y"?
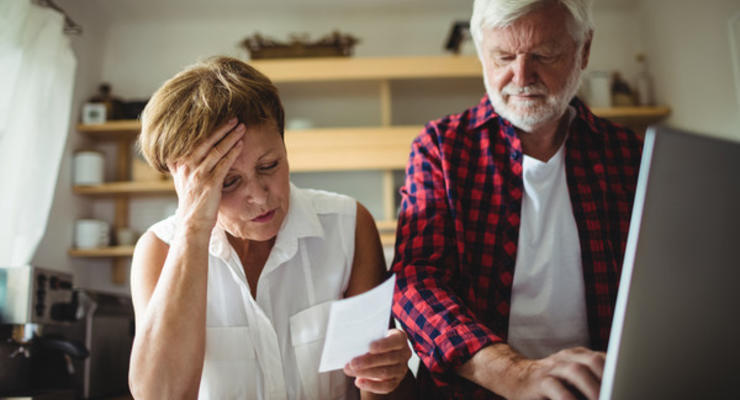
{"x": 384, "y": 366}
{"x": 569, "y": 374}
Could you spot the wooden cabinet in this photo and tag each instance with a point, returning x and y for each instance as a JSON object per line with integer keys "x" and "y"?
{"x": 382, "y": 148}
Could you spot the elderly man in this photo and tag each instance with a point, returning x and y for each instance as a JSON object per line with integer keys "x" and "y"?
{"x": 514, "y": 218}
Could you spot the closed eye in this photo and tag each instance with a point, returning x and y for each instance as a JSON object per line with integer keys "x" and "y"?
{"x": 545, "y": 59}
{"x": 230, "y": 182}
{"x": 504, "y": 58}
{"x": 268, "y": 167}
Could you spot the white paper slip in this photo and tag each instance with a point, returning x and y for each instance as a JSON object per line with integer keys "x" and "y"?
{"x": 356, "y": 322}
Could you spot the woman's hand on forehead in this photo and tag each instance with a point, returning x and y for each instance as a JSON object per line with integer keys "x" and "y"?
{"x": 199, "y": 176}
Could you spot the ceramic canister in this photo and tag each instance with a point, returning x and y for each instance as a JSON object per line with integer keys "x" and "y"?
{"x": 91, "y": 233}
{"x": 88, "y": 168}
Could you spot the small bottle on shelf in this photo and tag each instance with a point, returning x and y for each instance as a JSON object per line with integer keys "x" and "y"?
{"x": 644, "y": 83}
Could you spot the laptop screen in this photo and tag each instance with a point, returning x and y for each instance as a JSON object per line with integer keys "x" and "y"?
{"x": 676, "y": 329}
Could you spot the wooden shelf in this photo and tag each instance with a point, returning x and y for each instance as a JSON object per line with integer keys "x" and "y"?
{"x": 388, "y": 238}
{"x": 387, "y": 230}
{"x": 642, "y": 113}
{"x": 334, "y": 149}
{"x": 387, "y": 225}
{"x": 114, "y": 130}
{"x": 113, "y": 251}
{"x": 344, "y": 149}
{"x": 127, "y": 188}
{"x": 330, "y": 149}
{"x": 369, "y": 68}
{"x": 127, "y": 129}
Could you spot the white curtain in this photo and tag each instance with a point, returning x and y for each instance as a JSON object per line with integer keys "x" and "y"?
{"x": 36, "y": 80}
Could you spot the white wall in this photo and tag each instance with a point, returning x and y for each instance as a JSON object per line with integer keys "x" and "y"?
{"x": 136, "y": 54}
{"x": 616, "y": 41}
{"x": 688, "y": 45}
{"x": 140, "y": 55}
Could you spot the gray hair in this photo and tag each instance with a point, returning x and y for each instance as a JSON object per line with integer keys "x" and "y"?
{"x": 501, "y": 13}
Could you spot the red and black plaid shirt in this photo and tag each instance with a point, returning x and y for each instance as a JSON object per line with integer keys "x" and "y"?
{"x": 458, "y": 231}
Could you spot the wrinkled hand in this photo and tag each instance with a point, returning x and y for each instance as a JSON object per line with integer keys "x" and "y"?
{"x": 199, "y": 176}
{"x": 384, "y": 366}
{"x": 567, "y": 374}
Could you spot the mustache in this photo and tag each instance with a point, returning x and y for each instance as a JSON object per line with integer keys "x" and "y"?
{"x": 537, "y": 89}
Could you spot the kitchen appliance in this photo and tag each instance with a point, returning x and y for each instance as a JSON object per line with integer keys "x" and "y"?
{"x": 107, "y": 331}
{"x": 34, "y": 364}
{"x": 32, "y": 295}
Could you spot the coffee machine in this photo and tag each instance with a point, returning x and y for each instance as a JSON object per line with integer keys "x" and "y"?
{"x": 35, "y": 364}
{"x": 107, "y": 330}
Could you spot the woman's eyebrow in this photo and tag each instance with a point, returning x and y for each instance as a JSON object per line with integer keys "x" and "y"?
{"x": 267, "y": 153}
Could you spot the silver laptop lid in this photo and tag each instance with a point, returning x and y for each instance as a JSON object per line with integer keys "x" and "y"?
{"x": 676, "y": 330}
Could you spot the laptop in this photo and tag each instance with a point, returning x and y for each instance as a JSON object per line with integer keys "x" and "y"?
{"x": 676, "y": 328}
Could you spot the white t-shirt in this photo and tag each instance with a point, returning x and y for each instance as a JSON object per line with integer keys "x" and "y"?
{"x": 270, "y": 347}
{"x": 548, "y": 300}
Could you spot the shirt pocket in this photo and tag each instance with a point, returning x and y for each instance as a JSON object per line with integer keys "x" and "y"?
{"x": 307, "y": 333}
{"x": 230, "y": 368}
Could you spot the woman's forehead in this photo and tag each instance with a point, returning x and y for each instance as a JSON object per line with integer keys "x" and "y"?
{"x": 260, "y": 144}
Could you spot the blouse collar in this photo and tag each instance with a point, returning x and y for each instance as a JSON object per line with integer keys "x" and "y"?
{"x": 301, "y": 221}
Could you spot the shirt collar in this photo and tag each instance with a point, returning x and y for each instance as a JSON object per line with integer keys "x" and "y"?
{"x": 301, "y": 222}
{"x": 219, "y": 245}
{"x": 482, "y": 113}
{"x": 583, "y": 115}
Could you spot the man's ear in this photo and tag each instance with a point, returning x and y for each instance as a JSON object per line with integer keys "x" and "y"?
{"x": 586, "y": 49}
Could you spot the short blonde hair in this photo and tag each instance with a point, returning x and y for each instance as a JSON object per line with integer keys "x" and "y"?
{"x": 193, "y": 103}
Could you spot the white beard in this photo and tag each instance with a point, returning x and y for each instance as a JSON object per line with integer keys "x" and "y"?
{"x": 529, "y": 115}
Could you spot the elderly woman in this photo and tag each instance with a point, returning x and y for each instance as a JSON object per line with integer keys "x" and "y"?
{"x": 232, "y": 292}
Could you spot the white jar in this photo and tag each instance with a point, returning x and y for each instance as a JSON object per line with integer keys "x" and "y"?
{"x": 91, "y": 233}
{"x": 88, "y": 168}
{"x": 600, "y": 95}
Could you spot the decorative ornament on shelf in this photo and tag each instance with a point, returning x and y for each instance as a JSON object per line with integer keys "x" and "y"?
{"x": 104, "y": 106}
{"x": 113, "y": 105}
{"x": 126, "y": 236}
{"x": 335, "y": 44}
{"x": 459, "y": 40}
{"x": 93, "y": 113}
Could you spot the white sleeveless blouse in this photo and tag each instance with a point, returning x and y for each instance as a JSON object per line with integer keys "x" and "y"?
{"x": 269, "y": 347}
